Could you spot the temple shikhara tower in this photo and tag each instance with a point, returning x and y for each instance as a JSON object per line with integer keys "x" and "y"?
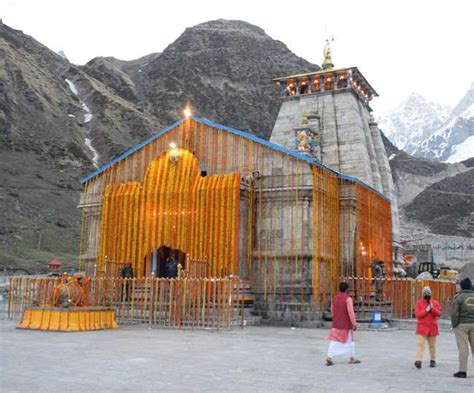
{"x": 326, "y": 114}
{"x": 289, "y": 216}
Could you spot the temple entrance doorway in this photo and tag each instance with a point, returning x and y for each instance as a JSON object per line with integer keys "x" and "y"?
{"x": 164, "y": 262}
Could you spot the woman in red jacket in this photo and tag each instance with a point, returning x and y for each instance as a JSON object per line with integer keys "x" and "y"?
{"x": 427, "y": 312}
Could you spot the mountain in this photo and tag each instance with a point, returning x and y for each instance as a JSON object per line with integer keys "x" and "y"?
{"x": 208, "y": 66}
{"x": 58, "y": 120}
{"x": 412, "y": 175}
{"x": 438, "y": 196}
{"x": 454, "y": 141}
{"x": 413, "y": 122}
{"x": 447, "y": 206}
{"x": 56, "y": 123}
{"x": 431, "y": 131}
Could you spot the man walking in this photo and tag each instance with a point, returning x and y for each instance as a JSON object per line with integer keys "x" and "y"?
{"x": 343, "y": 326}
{"x": 462, "y": 319}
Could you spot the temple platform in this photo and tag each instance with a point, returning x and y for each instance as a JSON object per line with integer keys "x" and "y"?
{"x": 75, "y": 319}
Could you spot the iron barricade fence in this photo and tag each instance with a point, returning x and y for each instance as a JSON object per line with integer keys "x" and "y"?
{"x": 196, "y": 268}
{"x": 114, "y": 268}
{"x": 209, "y": 303}
{"x": 28, "y": 291}
{"x": 395, "y": 298}
{"x": 443, "y": 291}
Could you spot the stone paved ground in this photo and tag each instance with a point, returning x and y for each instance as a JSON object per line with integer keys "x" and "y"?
{"x": 255, "y": 359}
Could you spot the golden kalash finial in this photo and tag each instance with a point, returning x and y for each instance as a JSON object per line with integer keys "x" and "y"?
{"x": 327, "y": 64}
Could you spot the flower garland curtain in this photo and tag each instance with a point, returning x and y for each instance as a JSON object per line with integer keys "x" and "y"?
{"x": 119, "y": 220}
{"x": 174, "y": 207}
{"x": 326, "y": 235}
{"x": 374, "y": 231}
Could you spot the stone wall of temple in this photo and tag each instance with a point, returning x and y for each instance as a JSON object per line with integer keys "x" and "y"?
{"x": 388, "y": 185}
{"x": 348, "y": 139}
{"x": 281, "y": 272}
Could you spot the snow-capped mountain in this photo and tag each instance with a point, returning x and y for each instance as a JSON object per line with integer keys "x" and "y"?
{"x": 413, "y": 122}
{"x": 429, "y": 130}
{"x": 454, "y": 141}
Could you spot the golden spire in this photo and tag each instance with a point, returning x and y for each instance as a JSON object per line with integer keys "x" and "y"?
{"x": 327, "y": 64}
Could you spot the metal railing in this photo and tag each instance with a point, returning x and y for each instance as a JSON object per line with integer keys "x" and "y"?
{"x": 210, "y": 303}
{"x": 395, "y": 298}
{"x": 196, "y": 268}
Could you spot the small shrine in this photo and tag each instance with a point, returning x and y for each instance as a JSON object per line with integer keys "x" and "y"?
{"x": 54, "y": 267}
{"x": 65, "y": 306}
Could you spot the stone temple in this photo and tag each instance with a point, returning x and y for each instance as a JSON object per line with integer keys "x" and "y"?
{"x": 331, "y": 107}
{"x": 289, "y": 216}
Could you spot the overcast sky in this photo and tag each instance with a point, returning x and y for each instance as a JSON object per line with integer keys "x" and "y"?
{"x": 400, "y": 46}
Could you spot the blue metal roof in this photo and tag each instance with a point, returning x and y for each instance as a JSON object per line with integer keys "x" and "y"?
{"x": 264, "y": 142}
{"x": 234, "y": 131}
{"x": 285, "y": 150}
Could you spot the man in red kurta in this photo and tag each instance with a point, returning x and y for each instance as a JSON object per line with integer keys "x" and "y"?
{"x": 343, "y": 326}
{"x": 427, "y": 312}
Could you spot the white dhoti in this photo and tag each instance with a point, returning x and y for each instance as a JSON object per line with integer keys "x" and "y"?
{"x": 338, "y": 349}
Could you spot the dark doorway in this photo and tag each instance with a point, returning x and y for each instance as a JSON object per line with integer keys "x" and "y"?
{"x": 165, "y": 260}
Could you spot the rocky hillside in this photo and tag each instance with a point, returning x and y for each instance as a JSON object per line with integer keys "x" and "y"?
{"x": 447, "y": 206}
{"x": 412, "y": 175}
{"x": 433, "y": 196}
{"x": 58, "y": 120}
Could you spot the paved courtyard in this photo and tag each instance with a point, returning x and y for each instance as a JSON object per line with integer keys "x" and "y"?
{"x": 254, "y": 359}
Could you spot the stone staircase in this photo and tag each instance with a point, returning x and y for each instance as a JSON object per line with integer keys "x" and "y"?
{"x": 365, "y": 308}
{"x": 250, "y": 318}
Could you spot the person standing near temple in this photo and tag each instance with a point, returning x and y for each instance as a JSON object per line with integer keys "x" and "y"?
{"x": 343, "y": 326}
{"x": 462, "y": 319}
{"x": 172, "y": 266}
{"x": 427, "y": 312}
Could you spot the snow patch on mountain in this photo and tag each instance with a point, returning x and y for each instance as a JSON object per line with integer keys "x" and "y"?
{"x": 95, "y": 157}
{"x": 72, "y": 87}
{"x": 463, "y": 151}
{"x": 87, "y": 118}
